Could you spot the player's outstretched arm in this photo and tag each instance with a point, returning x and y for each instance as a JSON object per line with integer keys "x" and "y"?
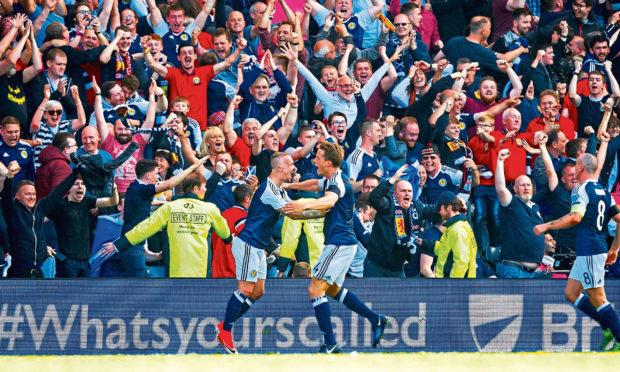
{"x": 564, "y": 222}
{"x": 307, "y": 185}
{"x": 307, "y": 214}
{"x": 325, "y": 202}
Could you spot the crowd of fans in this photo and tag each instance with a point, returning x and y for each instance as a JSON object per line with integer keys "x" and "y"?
{"x": 461, "y": 124}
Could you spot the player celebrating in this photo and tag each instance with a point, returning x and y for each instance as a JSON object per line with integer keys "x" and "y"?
{"x": 591, "y": 208}
{"x": 249, "y": 247}
{"x": 341, "y": 244}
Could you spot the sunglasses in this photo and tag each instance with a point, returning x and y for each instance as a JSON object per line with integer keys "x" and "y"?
{"x": 54, "y": 112}
{"x": 82, "y": 12}
{"x": 401, "y": 24}
{"x": 339, "y": 123}
{"x": 432, "y": 157}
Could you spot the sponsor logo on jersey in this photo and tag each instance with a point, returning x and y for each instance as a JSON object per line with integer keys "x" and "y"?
{"x": 495, "y": 321}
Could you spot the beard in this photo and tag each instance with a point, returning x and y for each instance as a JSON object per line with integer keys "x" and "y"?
{"x": 123, "y": 139}
{"x": 488, "y": 100}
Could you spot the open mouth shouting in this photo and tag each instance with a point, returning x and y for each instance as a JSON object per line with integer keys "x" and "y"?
{"x": 218, "y": 145}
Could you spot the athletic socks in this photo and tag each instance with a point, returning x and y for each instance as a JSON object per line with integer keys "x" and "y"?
{"x": 350, "y": 300}
{"x": 235, "y": 304}
{"x": 323, "y": 318}
{"x": 609, "y": 319}
{"x": 583, "y": 303}
{"x": 247, "y": 304}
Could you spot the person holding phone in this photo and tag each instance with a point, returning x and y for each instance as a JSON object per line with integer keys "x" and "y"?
{"x": 81, "y": 16}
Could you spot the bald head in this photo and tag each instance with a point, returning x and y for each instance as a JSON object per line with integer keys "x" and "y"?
{"x": 90, "y": 139}
{"x": 588, "y": 162}
{"x": 324, "y": 49}
{"x": 235, "y": 14}
{"x": 523, "y": 188}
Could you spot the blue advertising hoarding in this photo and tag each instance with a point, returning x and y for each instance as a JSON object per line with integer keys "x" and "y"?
{"x": 50, "y": 317}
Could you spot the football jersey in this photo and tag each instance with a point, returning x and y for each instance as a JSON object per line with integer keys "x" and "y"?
{"x": 263, "y": 214}
{"x": 223, "y": 196}
{"x": 338, "y": 225}
{"x": 447, "y": 179}
{"x": 171, "y": 41}
{"x": 362, "y": 164}
{"x": 21, "y": 153}
{"x": 356, "y": 24}
{"x": 596, "y": 207}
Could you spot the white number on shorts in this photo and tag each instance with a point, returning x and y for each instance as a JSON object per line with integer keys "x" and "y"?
{"x": 601, "y": 216}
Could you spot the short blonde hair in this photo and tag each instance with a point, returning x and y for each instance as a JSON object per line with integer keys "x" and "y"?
{"x": 210, "y": 132}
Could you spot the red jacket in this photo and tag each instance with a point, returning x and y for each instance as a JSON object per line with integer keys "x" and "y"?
{"x": 54, "y": 168}
{"x": 223, "y": 262}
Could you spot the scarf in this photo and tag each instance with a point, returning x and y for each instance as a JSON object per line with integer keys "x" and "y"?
{"x": 402, "y": 238}
{"x": 406, "y": 60}
{"x": 123, "y": 63}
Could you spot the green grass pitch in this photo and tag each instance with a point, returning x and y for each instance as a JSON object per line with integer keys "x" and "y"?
{"x": 354, "y": 362}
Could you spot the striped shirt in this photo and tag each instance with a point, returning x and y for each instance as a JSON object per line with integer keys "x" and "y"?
{"x": 46, "y": 134}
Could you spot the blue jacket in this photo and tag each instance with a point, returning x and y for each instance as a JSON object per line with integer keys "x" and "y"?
{"x": 28, "y": 246}
{"x": 262, "y": 112}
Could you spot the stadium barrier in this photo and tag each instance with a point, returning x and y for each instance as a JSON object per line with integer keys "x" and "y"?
{"x": 48, "y": 317}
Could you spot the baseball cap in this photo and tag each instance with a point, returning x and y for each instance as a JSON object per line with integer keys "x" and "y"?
{"x": 444, "y": 198}
{"x": 430, "y": 149}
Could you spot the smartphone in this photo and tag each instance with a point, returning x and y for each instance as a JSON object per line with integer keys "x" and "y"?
{"x": 250, "y": 171}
